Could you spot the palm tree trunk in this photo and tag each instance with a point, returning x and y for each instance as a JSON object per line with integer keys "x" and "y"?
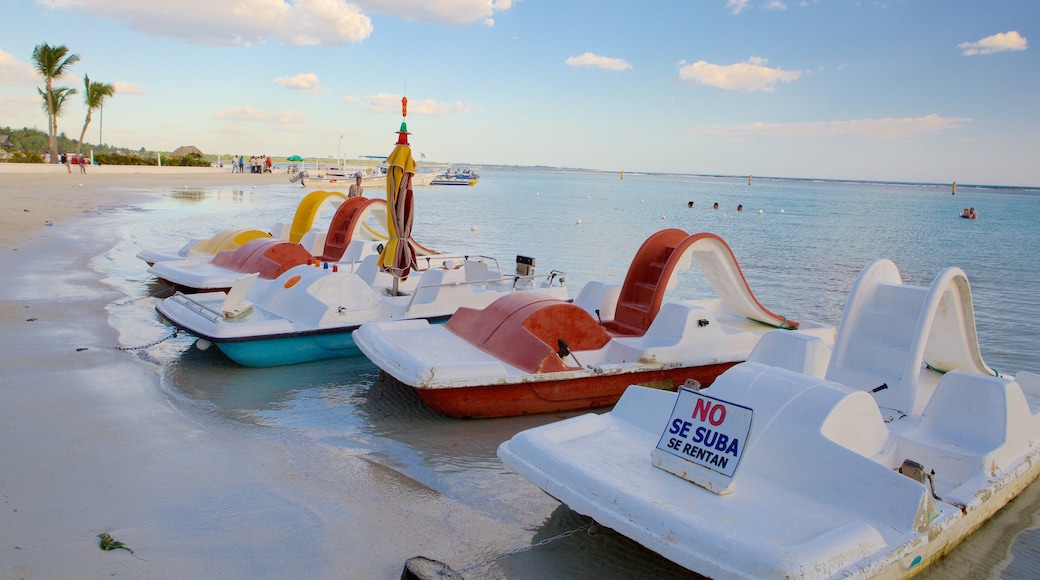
{"x": 83, "y": 133}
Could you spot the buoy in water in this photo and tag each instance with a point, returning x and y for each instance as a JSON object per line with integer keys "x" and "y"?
{"x": 579, "y": 221}
{"x": 662, "y": 216}
{"x": 473, "y": 228}
{"x": 781, "y": 210}
{"x": 760, "y": 212}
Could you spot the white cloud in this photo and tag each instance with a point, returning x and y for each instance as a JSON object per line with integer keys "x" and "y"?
{"x": 290, "y": 122}
{"x": 387, "y": 103}
{"x": 349, "y": 99}
{"x": 748, "y": 76}
{"x": 1003, "y": 42}
{"x": 302, "y": 82}
{"x": 17, "y": 74}
{"x": 16, "y": 107}
{"x": 595, "y": 61}
{"x": 452, "y": 12}
{"x": 246, "y": 113}
{"x": 871, "y": 128}
{"x": 231, "y": 22}
{"x": 736, "y": 6}
{"x": 776, "y": 5}
{"x": 124, "y": 88}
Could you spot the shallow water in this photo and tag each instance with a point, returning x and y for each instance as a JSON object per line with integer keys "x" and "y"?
{"x": 800, "y": 243}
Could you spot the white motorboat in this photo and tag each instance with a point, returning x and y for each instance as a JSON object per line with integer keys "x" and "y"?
{"x": 872, "y": 459}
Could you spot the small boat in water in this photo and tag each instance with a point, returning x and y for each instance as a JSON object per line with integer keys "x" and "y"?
{"x": 301, "y": 231}
{"x": 353, "y": 234}
{"x": 528, "y": 353}
{"x": 455, "y": 176}
{"x": 874, "y": 458}
{"x": 308, "y": 313}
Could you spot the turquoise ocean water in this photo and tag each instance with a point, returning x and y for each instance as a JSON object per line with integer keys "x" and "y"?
{"x": 801, "y": 244}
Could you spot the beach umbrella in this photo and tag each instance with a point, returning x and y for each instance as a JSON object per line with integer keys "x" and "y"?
{"x": 398, "y": 255}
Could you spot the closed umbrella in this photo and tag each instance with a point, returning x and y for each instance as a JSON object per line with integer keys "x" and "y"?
{"x": 398, "y": 255}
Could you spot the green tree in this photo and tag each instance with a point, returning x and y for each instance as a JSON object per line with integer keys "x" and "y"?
{"x": 51, "y": 63}
{"x": 52, "y": 103}
{"x": 94, "y": 96}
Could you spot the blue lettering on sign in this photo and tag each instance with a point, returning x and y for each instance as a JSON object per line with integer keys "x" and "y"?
{"x": 706, "y": 455}
{"x": 719, "y": 441}
{"x": 681, "y": 427}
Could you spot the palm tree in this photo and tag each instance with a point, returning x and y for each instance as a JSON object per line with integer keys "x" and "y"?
{"x": 51, "y": 62}
{"x": 52, "y": 104}
{"x": 93, "y": 95}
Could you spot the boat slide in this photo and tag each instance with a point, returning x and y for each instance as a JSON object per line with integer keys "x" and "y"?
{"x": 872, "y": 461}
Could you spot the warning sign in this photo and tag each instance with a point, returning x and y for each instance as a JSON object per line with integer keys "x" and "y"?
{"x": 706, "y": 431}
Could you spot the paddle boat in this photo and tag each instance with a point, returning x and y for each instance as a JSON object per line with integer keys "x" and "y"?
{"x": 302, "y": 230}
{"x": 309, "y": 313}
{"x": 352, "y": 235}
{"x": 872, "y": 459}
{"x": 456, "y": 177}
{"x": 529, "y": 353}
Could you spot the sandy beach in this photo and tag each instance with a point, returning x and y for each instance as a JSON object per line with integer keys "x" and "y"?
{"x": 90, "y": 444}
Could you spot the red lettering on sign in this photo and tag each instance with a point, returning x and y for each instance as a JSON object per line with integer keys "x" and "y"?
{"x": 704, "y": 410}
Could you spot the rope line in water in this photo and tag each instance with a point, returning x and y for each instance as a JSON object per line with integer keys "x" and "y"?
{"x": 525, "y": 548}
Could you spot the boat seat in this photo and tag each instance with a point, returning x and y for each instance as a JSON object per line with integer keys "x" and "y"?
{"x": 523, "y": 329}
{"x": 270, "y": 258}
{"x": 971, "y": 422}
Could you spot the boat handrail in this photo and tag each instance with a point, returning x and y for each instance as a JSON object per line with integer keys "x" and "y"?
{"x": 210, "y": 313}
{"x": 514, "y": 279}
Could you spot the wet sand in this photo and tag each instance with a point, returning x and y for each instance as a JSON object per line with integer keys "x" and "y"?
{"x": 90, "y": 444}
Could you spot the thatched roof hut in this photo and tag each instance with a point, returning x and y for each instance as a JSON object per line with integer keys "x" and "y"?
{"x": 187, "y": 150}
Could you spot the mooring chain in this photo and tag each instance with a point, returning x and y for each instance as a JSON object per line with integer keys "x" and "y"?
{"x": 525, "y": 548}
{"x": 151, "y": 344}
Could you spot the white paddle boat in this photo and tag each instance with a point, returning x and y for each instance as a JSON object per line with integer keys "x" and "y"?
{"x": 529, "y": 353}
{"x": 869, "y": 460}
{"x": 352, "y": 235}
{"x": 302, "y": 230}
{"x": 308, "y": 312}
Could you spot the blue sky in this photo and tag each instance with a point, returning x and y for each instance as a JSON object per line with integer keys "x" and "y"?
{"x": 900, "y": 90}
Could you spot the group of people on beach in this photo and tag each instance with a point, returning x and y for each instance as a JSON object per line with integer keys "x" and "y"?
{"x": 70, "y": 159}
{"x": 257, "y": 164}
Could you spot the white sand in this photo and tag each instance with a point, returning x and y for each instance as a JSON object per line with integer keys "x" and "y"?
{"x": 90, "y": 444}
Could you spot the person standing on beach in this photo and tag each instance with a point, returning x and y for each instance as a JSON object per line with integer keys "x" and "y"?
{"x": 355, "y": 188}
{"x": 241, "y": 165}
{"x": 82, "y": 163}
{"x": 234, "y": 163}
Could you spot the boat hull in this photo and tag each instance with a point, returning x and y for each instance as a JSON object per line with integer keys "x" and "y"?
{"x": 290, "y": 349}
{"x": 551, "y": 396}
